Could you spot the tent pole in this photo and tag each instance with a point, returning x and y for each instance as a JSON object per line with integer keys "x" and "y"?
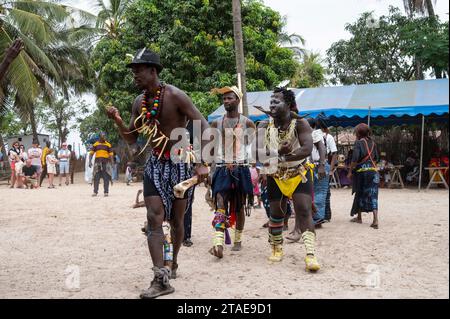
{"x": 337, "y": 135}
{"x": 421, "y": 151}
{"x": 368, "y": 117}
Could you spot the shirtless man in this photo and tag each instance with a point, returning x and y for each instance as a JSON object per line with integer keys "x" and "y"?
{"x": 160, "y": 109}
{"x": 291, "y": 139}
{"x": 231, "y": 182}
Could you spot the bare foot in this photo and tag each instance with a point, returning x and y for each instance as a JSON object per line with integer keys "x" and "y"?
{"x": 237, "y": 246}
{"x": 173, "y": 274}
{"x": 356, "y": 220}
{"x": 294, "y": 236}
{"x": 217, "y": 251}
{"x": 374, "y": 225}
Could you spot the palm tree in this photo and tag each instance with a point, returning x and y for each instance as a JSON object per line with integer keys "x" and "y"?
{"x": 310, "y": 72}
{"x": 289, "y": 41}
{"x": 239, "y": 49}
{"x": 421, "y": 7}
{"x": 111, "y": 19}
{"x": 51, "y": 58}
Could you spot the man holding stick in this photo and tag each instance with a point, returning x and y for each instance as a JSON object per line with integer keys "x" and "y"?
{"x": 159, "y": 110}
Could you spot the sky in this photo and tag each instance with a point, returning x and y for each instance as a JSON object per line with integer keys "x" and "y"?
{"x": 322, "y": 22}
{"x": 319, "y": 22}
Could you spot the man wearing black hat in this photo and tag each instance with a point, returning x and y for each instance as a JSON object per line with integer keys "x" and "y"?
{"x": 155, "y": 113}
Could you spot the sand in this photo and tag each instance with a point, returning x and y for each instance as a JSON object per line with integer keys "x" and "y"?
{"x": 62, "y": 243}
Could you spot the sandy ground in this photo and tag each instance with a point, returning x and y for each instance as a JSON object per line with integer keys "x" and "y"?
{"x": 62, "y": 243}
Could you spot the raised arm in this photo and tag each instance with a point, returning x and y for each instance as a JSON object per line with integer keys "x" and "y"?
{"x": 10, "y": 54}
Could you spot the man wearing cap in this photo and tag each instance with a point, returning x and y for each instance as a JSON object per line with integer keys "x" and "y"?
{"x": 156, "y": 113}
{"x": 103, "y": 163}
{"x": 64, "y": 157}
{"x": 231, "y": 181}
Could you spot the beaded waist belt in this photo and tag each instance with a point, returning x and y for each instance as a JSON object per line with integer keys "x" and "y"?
{"x": 289, "y": 172}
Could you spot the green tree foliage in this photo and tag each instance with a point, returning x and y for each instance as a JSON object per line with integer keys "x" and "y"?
{"x": 427, "y": 40}
{"x": 310, "y": 72}
{"x": 60, "y": 117}
{"x": 52, "y": 60}
{"x": 195, "y": 41}
{"x": 384, "y": 50}
{"x": 11, "y": 124}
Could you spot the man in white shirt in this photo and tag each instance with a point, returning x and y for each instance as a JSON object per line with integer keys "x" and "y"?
{"x": 320, "y": 184}
{"x": 331, "y": 157}
{"x": 35, "y": 153}
{"x": 64, "y": 157}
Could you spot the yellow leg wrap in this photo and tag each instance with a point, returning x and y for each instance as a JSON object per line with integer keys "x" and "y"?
{"x": 276, "y": 244}
{"x": 219, "y": 238}
{"x": 277, "y": 253}
{"x": 309, "y": 239}
{"x": 237, "y": 235}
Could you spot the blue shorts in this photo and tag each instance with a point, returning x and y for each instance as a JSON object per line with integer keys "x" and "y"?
{"x": 64, "y": 167}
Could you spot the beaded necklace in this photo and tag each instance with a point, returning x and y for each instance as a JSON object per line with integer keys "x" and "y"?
{"x": 147, "y": 122}
{"x": 157, "y": 101}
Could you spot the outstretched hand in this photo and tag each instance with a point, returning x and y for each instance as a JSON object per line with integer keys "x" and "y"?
{"x": 14, "y": 49}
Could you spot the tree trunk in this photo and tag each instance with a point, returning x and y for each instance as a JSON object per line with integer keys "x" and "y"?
{"x": 5, "y": 156}
{"x": 438, "y": 73}
{"x": 239, "y": 48}
{"x": 418, "y": 73}
{"x": 430, "y": 8}
{"x": 33, "y": 124}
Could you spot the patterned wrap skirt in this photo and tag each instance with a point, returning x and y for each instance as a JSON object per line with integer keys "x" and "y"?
{"x": 365, "y": 188}
{"x": 165, "y": 174}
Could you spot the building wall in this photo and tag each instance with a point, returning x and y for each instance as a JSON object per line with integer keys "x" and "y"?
{"x": 27, "y": 140}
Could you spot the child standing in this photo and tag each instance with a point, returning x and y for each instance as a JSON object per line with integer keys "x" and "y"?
{"x": 51, "y": 167}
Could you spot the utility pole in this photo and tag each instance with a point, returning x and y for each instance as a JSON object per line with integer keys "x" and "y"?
{"x": 239, "y": 49}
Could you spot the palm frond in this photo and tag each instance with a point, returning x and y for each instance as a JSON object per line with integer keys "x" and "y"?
{"x": 20, "y": 76}
{"x": 30, "y": 23}
{"x": 38, "y": 56}
{"x": 47, "y": 9}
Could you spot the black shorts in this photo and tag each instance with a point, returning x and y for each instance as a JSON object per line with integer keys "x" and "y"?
{"x": 274, "y": 193}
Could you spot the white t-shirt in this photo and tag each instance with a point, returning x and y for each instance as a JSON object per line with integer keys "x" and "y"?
{"x": 331, "y": 144}
{"x": 63, "y": 152}
{"x": 35, "y": 154}
{"x": 317, "y": 136}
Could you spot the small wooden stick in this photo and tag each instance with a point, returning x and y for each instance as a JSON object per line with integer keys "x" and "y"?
{"x": 293, "y": 114}
{"x": 180, "y": 189}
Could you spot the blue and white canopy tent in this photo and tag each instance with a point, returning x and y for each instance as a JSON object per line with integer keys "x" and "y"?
{"x": 376, "y": 104}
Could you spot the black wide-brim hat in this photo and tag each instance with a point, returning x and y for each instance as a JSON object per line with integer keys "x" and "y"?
{"x": 145, "y": 56}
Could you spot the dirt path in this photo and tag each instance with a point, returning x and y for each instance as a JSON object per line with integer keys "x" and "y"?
{"x": 48, "y": 236}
